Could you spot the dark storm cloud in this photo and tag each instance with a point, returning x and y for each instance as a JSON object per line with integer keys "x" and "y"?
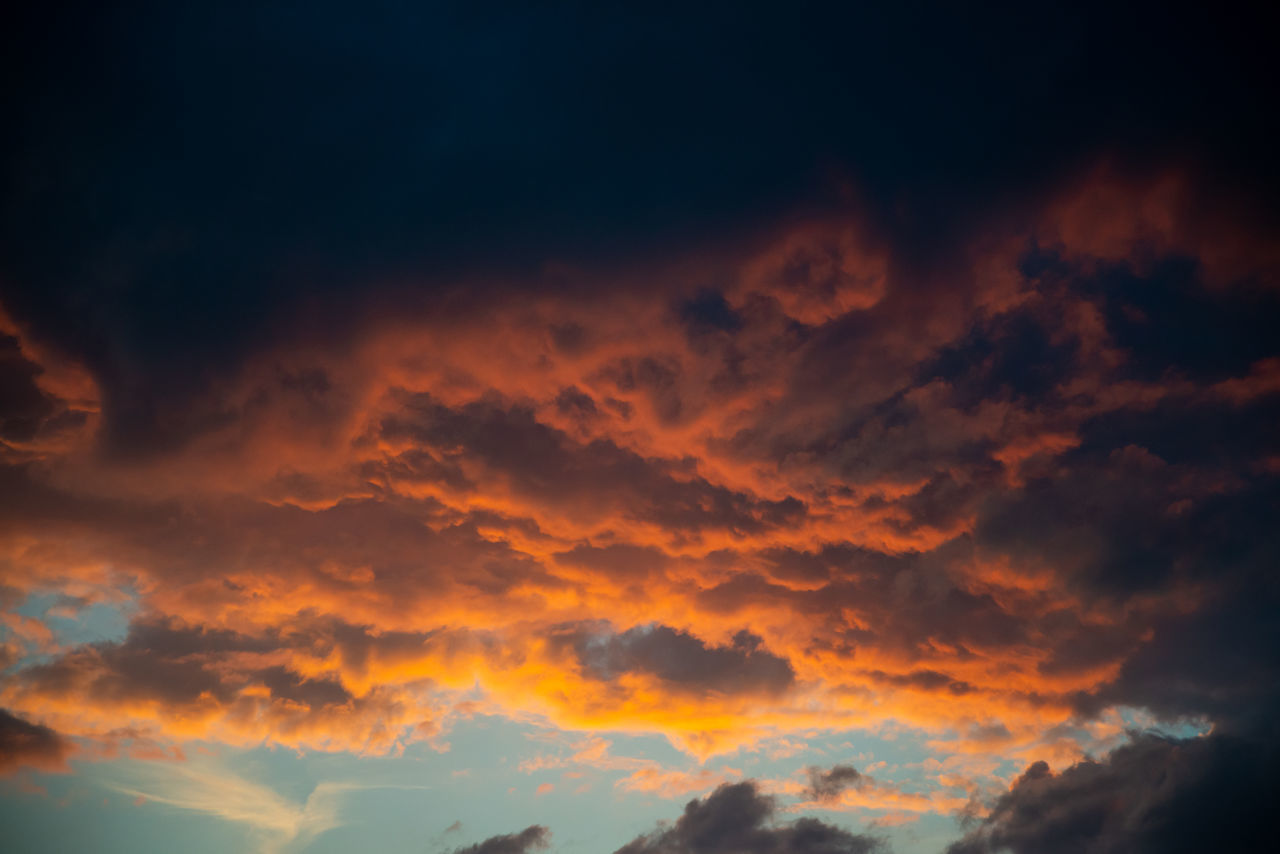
{"x": 1013, "y": 355}
{"x": 577, "y": 404}
{"x": 23, "y": 406}
{"x": 28, "y": 411}
{"x": 1153, "y": 796}
{"x": 155, "y": 662}
{"x": 247, "y": 156}
{"x": 1055, "y": 465}
{"x": 1168, "y": 321}
{"x": 924, "y": 680}
{"x": 287, "y": 685}
{"x": 707, "y": 311}
{"x": 738, "y": 819}
{"x": 900, "y": 603}
{"x": 686, "y": 662}
{"x": 192, "y": 541}
{"x": 827, "y": 785}
{"x": 230, "y": 682}
{"x": 1125, "y": 520}
{"x": 891, "y": 437}
{"x": 531, "y": 838}
{"x": 589, "y": 478}
{"x": 23, "y": 743}
{"x": 618, "y": 560}
{"x": 1222, "y": 661}
{"x": 1205, "y": 433}
{"x": 656, "y": 377}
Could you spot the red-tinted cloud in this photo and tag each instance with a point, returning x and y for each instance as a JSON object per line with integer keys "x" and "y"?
{"x": 838, "y": 491}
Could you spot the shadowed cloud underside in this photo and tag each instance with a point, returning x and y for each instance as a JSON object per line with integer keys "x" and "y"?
{"x": 629, "y": 424}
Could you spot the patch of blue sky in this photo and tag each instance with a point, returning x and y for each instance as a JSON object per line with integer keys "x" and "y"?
{"x": 75, "y": 622}
{"x": 489, "y": 781}
{"x": 78, "y": 813}
{"x": 1141, "y": 720}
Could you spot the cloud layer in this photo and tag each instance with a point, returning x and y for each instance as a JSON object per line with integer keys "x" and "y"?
{"x": 730, "y": 399}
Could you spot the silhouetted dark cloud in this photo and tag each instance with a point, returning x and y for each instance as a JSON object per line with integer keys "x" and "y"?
{"x": 547, "y": 464}
{"x": 738, "y": 819}
{"x": 827, "y": 785}
{"x": 1156, "y": 795}
{"x": 23, "y": 743}
{"x": 532, "y": 838}
{"x": 218, "y": 193}
{"x": 685, "y": 661}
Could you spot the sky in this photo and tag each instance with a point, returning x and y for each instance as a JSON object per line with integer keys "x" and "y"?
{"x": 725, "y": 428}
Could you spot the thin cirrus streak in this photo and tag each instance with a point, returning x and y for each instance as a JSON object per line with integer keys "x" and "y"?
{"x": 277, "y": 823}
{"x": 838, "y": 493}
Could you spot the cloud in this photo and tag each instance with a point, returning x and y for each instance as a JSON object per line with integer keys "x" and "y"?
{"x": 23, "y": 743}
{"x": 843, "y": 788}
{"x": 275, "y": 822}
{"x": 550, "y": 184}
{"x": 665, "y": 783}
{"x": 737, "y": 818}
{"x": 685, "y": 662}
{"x": 583, "y": 480}
{"x": 1155, "y": 794}
{"x": 23, "y": 404}
{"x": 827, "y": 785}
{"x": 810, "y": 485}
{"x": 815, "y": 378}
{"x": 532, "y": 838}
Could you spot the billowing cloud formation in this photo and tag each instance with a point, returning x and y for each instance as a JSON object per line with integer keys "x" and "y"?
{"x": 1153, "y": 795}
{"x": 988, "y": 506}
{"x": 737, "y": 818}
{"x": 736, "y": 399}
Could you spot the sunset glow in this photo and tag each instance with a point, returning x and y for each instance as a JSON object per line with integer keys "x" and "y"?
{"x": 432, "y": 434}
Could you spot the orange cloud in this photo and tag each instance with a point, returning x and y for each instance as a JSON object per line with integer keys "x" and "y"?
{"x": 676, "y": 784}
{"x": 786, "y": 505}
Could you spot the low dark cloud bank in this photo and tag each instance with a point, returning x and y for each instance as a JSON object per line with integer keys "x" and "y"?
{"x": 180, "y": 176}
{"x": 734, "y": 819}
{"x": 738, "y": 819}
{"x": 1155, "y": 795}
{"x": 532, "y": 838}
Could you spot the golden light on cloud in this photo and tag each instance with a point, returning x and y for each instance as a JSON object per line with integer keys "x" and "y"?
{"x": 757, "y": 450}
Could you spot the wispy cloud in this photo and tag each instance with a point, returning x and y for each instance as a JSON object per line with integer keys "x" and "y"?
{"x": 276, "y": 823}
